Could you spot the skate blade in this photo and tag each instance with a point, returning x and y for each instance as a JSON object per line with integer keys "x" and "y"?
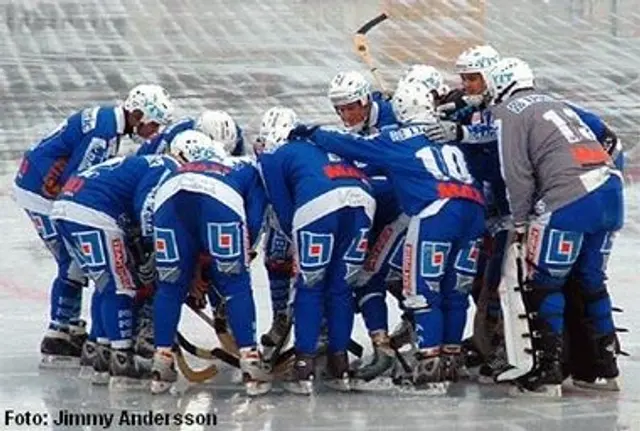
{"x": 53, "y": 362}
{"x": 510, "y": 373}
{"x": 428, "y": 389}
{"x": 100, "y": 378}
{"x": 120, "y": 383}
{"x": 256, "y": 388}
{"x": 86, "y": 372}
{"x": 601, "y": 384}
{"x": 379, "y": 384}
{"x": 544, "y": 391}
{"x": 160, "y": 386}
{"x": 485, "y": 380}
{"x": 299, "y": 388}
{"x": 341, "y": 385}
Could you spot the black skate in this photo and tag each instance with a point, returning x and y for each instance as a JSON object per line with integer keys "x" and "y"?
{"x": 403, "y": 334}
{"x": 101, "y": 365}
{"x": 337, "y": 374}
{"x": 275, "y": 338}
{"x": 377, "y": 374}
{"x": 87, "y": 359}
{"x": 452, "y": 363}
{"x": 546, "y": 377}
{"x": 428, "y": 374}
{"x": 126, "y": 372}
{"x": 496, "y": 363}
{"x": 59, "y": 350}
{"x": 302, "y": 376}
{"x": 605, "y": 372}
{"x": 472, "y": 356}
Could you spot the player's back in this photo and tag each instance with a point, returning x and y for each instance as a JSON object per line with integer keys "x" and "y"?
{"x": 311, "y": 172}
{"x": 546, "y": 144}
{"x": 84, "y": 139}
{"x": 422, "y": 171}
{"x": 117, "y": 186}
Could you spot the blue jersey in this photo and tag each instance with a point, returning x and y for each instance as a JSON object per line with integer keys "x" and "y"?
{"x": 241, "y": 176}
{"x": 85, "y": 139}
{"x": 380, "y": 115}
{"x": 161, "y": 143}
{"x": 123, "y": 188}
{"x": 298, "y": 172}
{"x": 421, "y": 171}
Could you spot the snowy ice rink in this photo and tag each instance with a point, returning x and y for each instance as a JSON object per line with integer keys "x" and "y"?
{"x": 243, "y": 56}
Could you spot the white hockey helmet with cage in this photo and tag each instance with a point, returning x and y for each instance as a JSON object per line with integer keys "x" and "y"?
{"x": 153, "y": 101}
{"x": 428, "y": 75}
{"x": 507, "y": 76}
{"x": 477, "y": 59}
{"x": 219, "y": 126}
{"x": 414, "y": 103}
{"x": 192, "y": 146}
{"x": 349, "y": 87}
{"x": 276, "y": 124}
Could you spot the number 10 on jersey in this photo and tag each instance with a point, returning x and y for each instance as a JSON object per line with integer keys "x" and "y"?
{"x": 445, "y": 163}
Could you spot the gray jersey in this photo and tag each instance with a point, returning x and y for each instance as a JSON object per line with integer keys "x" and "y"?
{"x": 549, "y": 157}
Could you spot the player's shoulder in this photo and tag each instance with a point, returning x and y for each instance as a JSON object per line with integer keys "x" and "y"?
{"x": 104, "y": 120}
{"x": 180, "y": 125}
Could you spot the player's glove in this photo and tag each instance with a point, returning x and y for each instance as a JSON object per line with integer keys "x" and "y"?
{"x": 302, "y": 131}
{"x": 456, "y": 101}
{"x": 444, "y": 131}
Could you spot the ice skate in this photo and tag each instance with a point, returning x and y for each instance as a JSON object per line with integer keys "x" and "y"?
{"x": 545, "y": 379}
{"x": 496, "y": 363}
{"x": 376, "y": 374}
{"x": 402, "y": 334}
{"x": 605, "y": 371}
{"x": 126, "y": 372}
{"x": 88, "y": 357}
{"x": 163, "y": 371}
{"x": 101, "y": 363}
{"x": 453, "y": 363}
{"x": 302, "y": 377}
{"x": 59, "y": 350}
{"x": 471, "y": 354}
{"x": 276, "y": 337}
{"x": 428, "y": 374}
{"x": 256, "y": 380}
{"x": 337, "y": 374}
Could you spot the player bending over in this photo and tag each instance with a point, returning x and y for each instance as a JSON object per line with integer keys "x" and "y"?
{"x": 84, "y": 139}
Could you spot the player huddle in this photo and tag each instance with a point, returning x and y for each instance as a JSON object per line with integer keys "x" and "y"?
{"x": 496, "y": 191}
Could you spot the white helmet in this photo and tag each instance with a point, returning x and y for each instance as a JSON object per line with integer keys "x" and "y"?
{"x": 153, "y": 101}
{"x": 478, "y": 59}
{"x": 192, "y": 146}
{"x": 507, "y": 76}
{"x": 349, "y": 87}
{"x": 219, "y": 126}
{"x": 429, "y": 75}
{"x": 414, "y": 103}
{"x": 276, "y": 124}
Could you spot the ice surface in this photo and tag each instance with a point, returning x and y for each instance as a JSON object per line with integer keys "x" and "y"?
{"x": 25, "y": 273}
{"x": 244, "y": 56}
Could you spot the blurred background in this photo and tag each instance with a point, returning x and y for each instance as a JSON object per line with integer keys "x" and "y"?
{"x": 244, "y": 56}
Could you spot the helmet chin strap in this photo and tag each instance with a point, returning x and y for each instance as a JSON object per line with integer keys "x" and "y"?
{"x": 504, "y": 93}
